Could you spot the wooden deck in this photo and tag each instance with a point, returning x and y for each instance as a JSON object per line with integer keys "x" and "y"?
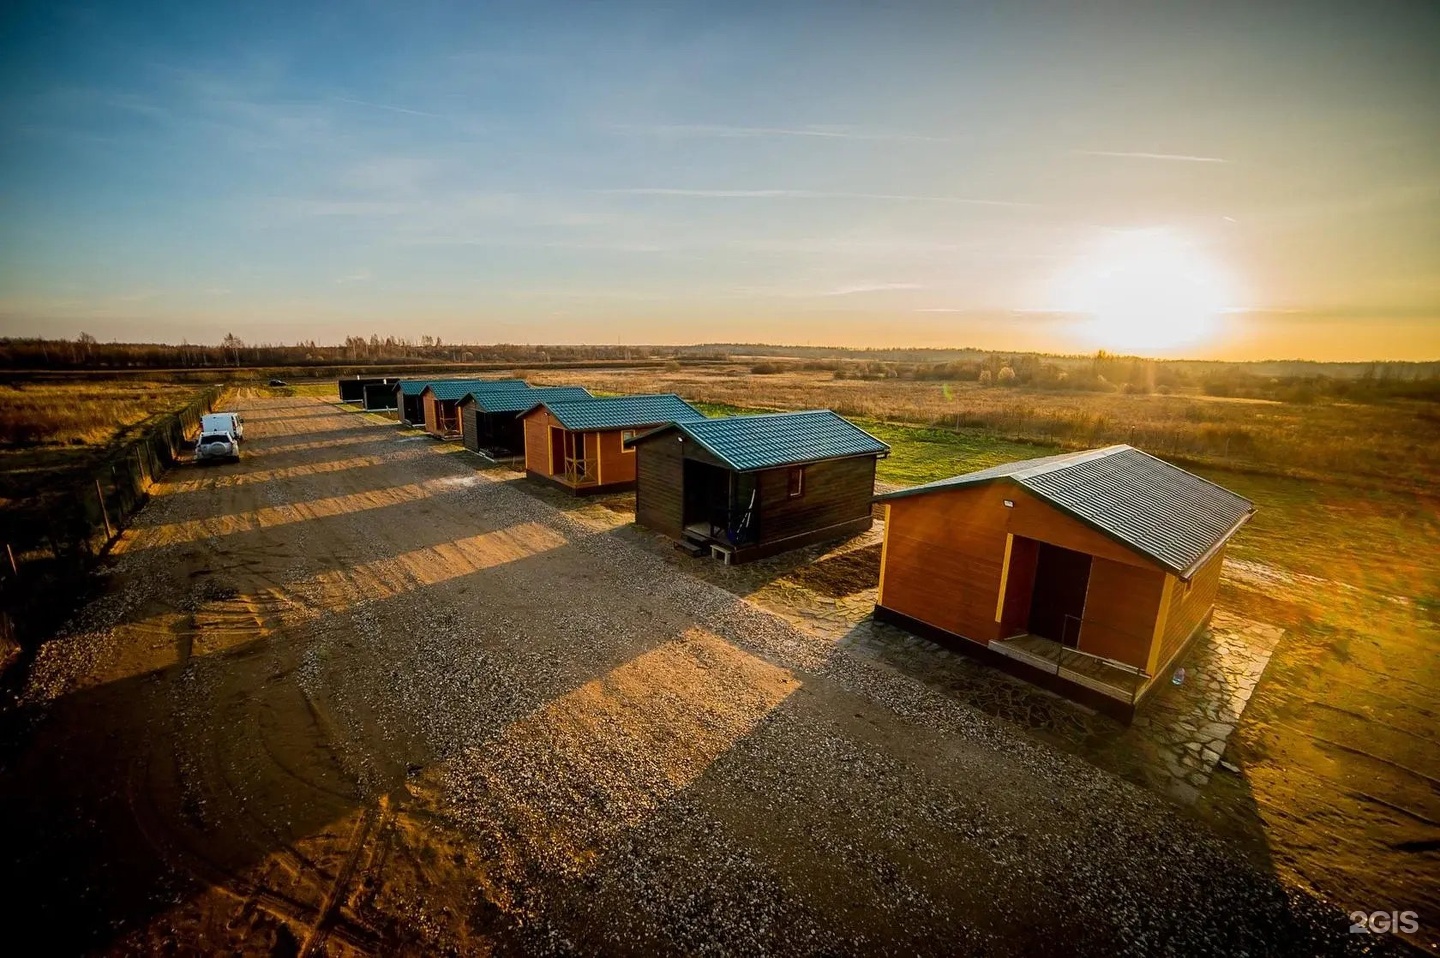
{"x": 1105, "y": 677}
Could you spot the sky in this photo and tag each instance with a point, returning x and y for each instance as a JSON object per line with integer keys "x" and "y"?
{"x": 827, "y": 173}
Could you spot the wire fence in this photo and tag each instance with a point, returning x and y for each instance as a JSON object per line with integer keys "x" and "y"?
{"x": 51, "y": 540}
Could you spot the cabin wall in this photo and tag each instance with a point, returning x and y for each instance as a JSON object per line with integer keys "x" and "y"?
{"x": 945, "y": 559}
{"x": 944, "y": 554}
{"x": 1189, "y": 608}
{"x": 660, "y": 484}
{"x": 617, "y": 464}
{"x": 470, "y": 427}
{"x": 432, "y": 422}
{"x": 379, "y": 397}
{"x": 835, "y": 492}
{"x": 537, "y": 442}
{"x": 1121, "y": 609}
{"x": 412, "y": 410}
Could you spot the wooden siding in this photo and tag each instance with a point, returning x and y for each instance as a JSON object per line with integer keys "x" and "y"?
{"x": 469, "y": 427}
{"x": 835, "y": 492}
{"x": 1015, "y": 610}
{"x": 659, "y": 485}
{"x": 1121, "y": 607}
{"x": 946, "y": 557}
{"x": 1036, "y": 519}
{"x": 537, "y": 442}
{"x": 432, "y": 423}
{"x": 617, "y": 464}
{"x": 1189, "y": 608}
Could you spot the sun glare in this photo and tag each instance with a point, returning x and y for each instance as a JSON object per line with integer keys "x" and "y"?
{"x": 1146, "y": 290}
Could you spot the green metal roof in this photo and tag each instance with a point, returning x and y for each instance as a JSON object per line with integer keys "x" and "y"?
{"x": 1161, "y": 511}
{"x": 621, "y": 412}
{"x": 451, "y": 389}
{"x": 500, "y": 400}
{"x": 748, "y": 443}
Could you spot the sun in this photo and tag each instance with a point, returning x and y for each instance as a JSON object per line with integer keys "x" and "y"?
{"x": 1146, "y": 291}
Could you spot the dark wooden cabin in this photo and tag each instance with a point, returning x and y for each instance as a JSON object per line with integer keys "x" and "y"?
{"x": 378, "y": 397}
{"x": 353, "y": 390}
{"x": 745, "y": 487}
{"x": 440, "y": 401}
{"x": 580, "y": 445}
{"x": 490, "y": 421}
{"x": 1090, "y": 573}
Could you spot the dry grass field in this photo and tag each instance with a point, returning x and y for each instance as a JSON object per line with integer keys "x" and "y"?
{"x": 1396, "y": 443}
{"x": 58, "y": 425}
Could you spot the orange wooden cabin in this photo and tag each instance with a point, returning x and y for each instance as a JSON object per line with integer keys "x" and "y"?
{"x": 1089, "y": 573}
{"x": 580, "y": 445}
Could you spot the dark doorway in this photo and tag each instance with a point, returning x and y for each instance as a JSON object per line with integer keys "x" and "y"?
{"x": 1057, "y": 602}
{"x": 707, "y": 494}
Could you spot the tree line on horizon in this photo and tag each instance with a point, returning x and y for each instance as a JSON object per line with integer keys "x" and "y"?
{"x": 1284, "y": 380}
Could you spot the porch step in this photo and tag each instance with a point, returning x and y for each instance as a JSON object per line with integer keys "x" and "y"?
{"x": 694, "y": 550}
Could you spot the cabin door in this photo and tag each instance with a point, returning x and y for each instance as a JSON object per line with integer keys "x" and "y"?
{"x": 1057, "y": 601}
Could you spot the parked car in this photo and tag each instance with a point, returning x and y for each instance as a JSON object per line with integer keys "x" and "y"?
{"x": 213, "y": 446}
{"x": 216, "y": 422}
{"x": 278, "y": 382}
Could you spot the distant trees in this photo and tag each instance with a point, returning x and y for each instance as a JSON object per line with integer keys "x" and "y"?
{"x": 232, "y": 343}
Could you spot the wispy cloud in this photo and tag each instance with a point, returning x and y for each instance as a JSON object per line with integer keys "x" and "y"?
{"x": 810, "y": 195}
{"x": 744, "y": 132}
{"x": 871, "y": 288}
{"x": 1168, "y": 157}
{"x": 388, "y": 107}
{"x": 360, "y": 276}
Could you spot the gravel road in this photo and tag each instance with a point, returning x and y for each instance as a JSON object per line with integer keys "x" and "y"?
{"x": 356, "y": 696}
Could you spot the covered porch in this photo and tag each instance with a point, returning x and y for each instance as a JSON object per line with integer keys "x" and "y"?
{"x": 574, "y": 458}
{"x": 721, "y": 509}
{"x": 1116, "y": 680}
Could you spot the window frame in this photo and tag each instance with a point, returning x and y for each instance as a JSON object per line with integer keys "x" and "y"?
{"x": 627, "y": 434}
{"x": 795, "y": 489}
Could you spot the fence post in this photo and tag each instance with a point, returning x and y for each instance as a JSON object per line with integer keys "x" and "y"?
{"x": 104, "y": 513}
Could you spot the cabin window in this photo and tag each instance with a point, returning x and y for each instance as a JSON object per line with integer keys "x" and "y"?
{"x": 625, "y": 436}
{"x": 795, "y": 482}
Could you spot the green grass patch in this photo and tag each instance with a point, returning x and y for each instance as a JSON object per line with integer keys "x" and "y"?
{"x": 919, "y": 453}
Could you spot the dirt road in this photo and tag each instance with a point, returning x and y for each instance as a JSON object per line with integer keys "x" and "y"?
{"x": 355, "y": 696}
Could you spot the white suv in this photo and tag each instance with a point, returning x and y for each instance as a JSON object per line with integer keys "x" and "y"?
{"x": 216, "y": 445}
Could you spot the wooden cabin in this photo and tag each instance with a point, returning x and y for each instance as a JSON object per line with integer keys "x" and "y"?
{"x": 745, "y": 487}
{"x": 440, "y": 402}
{"x": 378, "y": 397}
{"x": 353, "y": 390}
{"x": 1090, "y": 573}
{"x": 580, "y": 445}
{"x": 408, "y": 394}
{"x": 490, "y": 421}
{"x": 407, "y": 400}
